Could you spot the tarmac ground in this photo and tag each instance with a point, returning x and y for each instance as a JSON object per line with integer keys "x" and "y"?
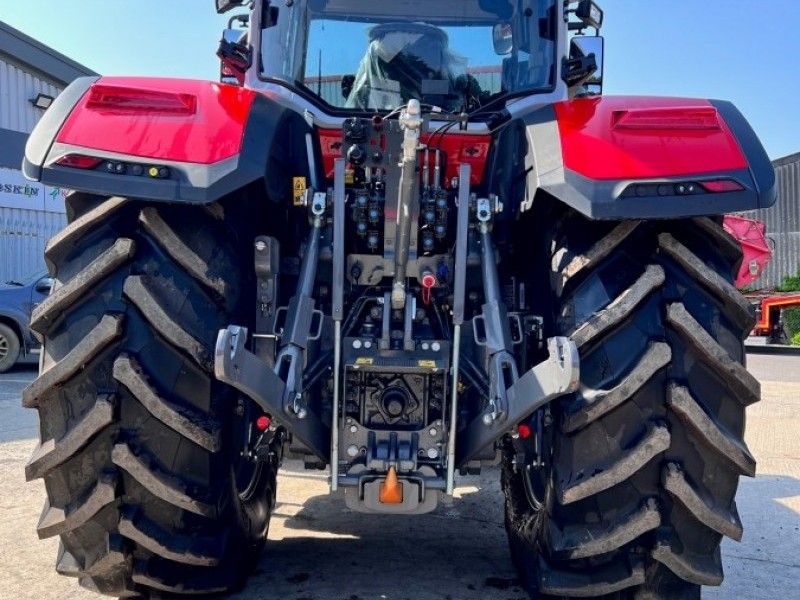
{"x": 319, "y": 550}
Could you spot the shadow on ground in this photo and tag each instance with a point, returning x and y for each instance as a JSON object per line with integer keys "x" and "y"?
{"x": 459, "y": 552}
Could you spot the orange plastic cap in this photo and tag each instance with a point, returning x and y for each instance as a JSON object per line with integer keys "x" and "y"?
{"x": 391, "y": 489}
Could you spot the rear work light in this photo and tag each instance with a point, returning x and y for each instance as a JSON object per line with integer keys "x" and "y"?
{"x": 79, "y": 161}
{"x": 682, "y": 119}
{"x": 117, "y": 99}
{"x": 682, "y": 188}
{"x": 720, "y": 186}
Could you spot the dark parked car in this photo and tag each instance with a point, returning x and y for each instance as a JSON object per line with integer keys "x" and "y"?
{"x": 17, "y": 300}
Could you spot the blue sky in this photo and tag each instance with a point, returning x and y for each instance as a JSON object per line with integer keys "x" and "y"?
{"x": 747, "y": 51}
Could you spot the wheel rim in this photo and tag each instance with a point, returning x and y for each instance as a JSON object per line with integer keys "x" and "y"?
{"x": 536, "y": 484}
{"x": 3, "y": 347}
{"x": 249, "y": 474}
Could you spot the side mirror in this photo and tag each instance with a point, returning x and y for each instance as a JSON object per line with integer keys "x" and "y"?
{"x": 234, "y": 52}
{"x": 503, "y": 38}
{"x": 44, "y": 285}
{"x": 585, "y": 63}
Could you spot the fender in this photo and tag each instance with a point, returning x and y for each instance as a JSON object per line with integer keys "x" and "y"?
{"x": 630, "y": 157}
{"x": 175, "y": 140}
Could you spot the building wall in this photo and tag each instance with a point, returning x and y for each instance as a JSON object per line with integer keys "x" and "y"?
{"x": 30, "y": 213}
{"x": 17, "y": 87}
{"x": 783, "y": 224}
{"x": 23, "y": 236}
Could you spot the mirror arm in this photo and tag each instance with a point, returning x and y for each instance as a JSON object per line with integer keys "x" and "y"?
{"x": 577, "y": 70}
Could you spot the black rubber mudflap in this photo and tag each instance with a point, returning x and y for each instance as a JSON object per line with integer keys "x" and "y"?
{"x": 139, "y": 443}
{"x": 646, "y": 456}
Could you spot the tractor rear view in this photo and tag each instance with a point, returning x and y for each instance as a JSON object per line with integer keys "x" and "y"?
{"x": 407, "y": 241}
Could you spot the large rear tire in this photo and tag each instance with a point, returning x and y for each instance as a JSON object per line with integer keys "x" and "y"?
{"x": 644, "y": 460}
{"x": 141, "y": 446}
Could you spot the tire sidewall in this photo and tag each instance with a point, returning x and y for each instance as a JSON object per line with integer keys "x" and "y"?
{"x": 14, "y": 348}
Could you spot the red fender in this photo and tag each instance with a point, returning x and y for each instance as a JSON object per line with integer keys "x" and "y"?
{"x": 164, "y": 119}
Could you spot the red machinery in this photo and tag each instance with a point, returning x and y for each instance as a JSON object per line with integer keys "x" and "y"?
{"x": 769, "y": 304}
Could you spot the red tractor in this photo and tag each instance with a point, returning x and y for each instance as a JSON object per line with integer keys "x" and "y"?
{"x": 408, "y": 241}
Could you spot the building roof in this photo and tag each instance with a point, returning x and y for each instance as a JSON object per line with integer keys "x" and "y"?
{"x": 26, "y": 50}
{"x": 787, "y": 160}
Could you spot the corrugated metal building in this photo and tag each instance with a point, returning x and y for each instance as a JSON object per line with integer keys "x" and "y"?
{"x": 783, "y": 224}
{"x": 30, "y": 213}
{"x": 329, "y": 87}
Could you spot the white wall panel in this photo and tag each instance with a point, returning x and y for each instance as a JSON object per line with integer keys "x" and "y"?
{"x": 23, "y": 235}
{"x": 17, "y": 87}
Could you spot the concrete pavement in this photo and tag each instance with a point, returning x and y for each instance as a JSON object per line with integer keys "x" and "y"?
{"x": 318, "y": 550}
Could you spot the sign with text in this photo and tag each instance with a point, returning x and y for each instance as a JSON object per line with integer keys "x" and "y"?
{"x": 18, "y": 192}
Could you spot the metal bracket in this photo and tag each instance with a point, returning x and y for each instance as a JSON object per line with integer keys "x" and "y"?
{"x": 240, "y": 368}
{"x": 556, "y": 375}
{"x": 318, "y": 204}
{"x": 267, "y": 269}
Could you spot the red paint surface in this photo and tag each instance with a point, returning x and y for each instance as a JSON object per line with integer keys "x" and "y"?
{"x": 629, "y": 137}
{"x": 330, "y": 142}
{"x": 212, "y": 133}
{"x": 457, "y": 148}
{"x": 752, "y": 237}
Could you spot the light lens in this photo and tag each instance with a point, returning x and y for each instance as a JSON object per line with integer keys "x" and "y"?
{"x": 79, "y": 161}
{"x": 720, "y": 186}
{"x": 687, "y": 119}
{"x": 118, "y": 99}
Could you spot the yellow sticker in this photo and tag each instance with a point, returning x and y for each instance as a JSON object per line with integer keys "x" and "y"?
{"x": 349, "y": 177}
{"x": 299, "y": 186}
{"x": 427, "y": 364}
{"x": 365, "y": 360}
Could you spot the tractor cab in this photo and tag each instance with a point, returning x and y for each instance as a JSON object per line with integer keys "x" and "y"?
{"x": 351, "y": 56}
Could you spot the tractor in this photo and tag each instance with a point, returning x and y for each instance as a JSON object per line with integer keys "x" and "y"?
{"x": 405, "y": 242}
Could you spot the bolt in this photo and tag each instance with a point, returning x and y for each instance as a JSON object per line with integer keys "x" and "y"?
{"x": 261, "y": 245}
{"x": 298, "y": 408}
{"x": 425, "y": 345}
{"x": 433, "y": 453}
{"x": 367, "y": 344}
{"x": 433, "y": 431}
{"x": 356, "y": 344}
{"x": 488, "y": 419}
{"x": 353, "y": 429}
{"x": 352, "y": 451}
{"x": 436, "y": 346}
